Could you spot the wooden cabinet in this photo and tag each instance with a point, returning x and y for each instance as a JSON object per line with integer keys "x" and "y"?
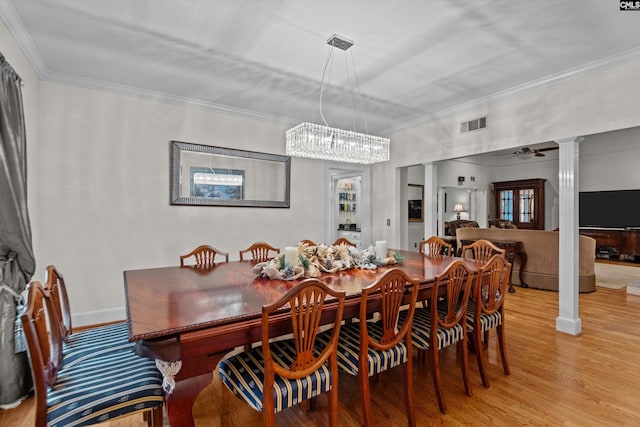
{"x": 521, "y": 202}
{"x": 616, "y": 242}
{"x": 631, "y": 242}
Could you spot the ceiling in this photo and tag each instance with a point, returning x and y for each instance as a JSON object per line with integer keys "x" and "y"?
{"x": 414, "y": 59}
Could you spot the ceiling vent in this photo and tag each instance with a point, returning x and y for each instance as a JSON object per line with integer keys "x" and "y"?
{"x": 475, "y": 124}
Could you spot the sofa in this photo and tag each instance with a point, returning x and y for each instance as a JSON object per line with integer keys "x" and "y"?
{"x": 541, "y": 247}
{"x": 450, "y": 227}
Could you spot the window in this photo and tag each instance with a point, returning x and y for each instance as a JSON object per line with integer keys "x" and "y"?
{"x": 521, "y": 202}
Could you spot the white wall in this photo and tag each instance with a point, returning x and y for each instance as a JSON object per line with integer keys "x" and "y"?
{"x": 104, "y": 190}
{"x": 599, "y": 102}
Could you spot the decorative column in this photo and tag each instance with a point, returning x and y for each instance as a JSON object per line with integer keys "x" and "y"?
{"x": 568, "y": 320}
{"x": 430, "y": 199}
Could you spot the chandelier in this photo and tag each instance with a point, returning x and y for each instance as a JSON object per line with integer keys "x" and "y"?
{"x": 326, "y": 143}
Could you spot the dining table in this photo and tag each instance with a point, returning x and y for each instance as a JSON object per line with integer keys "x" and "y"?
{"x": 188, "y": 318}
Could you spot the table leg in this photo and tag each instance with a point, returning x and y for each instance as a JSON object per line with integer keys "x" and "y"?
{"x": 510, "y": 255}
{"x": 523, "y": 263}
{"x": 180, "y": 402}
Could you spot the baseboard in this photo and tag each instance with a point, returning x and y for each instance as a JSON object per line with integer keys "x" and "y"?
{"x": 98, "y": 317}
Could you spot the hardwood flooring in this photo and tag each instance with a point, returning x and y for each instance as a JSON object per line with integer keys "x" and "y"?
{"x": 556, "y": 379}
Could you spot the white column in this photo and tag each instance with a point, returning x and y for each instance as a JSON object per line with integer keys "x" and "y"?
{"x": 430, "y": 199}
{"x": 568, "y": 320}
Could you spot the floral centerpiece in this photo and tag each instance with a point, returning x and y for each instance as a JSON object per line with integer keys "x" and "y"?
{"x": 312, "y": 261}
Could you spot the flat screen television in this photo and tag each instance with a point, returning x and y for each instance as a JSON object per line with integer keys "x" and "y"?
{"x": 610, "y": 209}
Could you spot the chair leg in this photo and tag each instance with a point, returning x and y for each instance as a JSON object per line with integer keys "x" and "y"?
{"x": 365, "y": 396}
{"x": 437, "y": 383}
{"x": 224, "y": 405}
{"x": 479, "y": 348}
{"x": 503, "y": 349}
{"x": 333, "y": 405}
{"x": 462, "y": 347}
{"x": 408, "y": 392}
{"x": 485, "y": 343}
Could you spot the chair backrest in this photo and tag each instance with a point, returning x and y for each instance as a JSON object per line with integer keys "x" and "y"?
{"x": 308, "y": 242}
{"x": 491, "y": 285}
{"x": 260, "y": 251}
{"x": 394, "y": 288}
{"x": 435, "y": 246}
{"x": 482, "y": 250}
{"x": 458, "y": 279}
{"x": 343, "y": 241}
{"x": 204, "y": 255}
{"x": 57, "y": 289}
{"x": 44, "y": 345}
{"x": 306, "y": 302}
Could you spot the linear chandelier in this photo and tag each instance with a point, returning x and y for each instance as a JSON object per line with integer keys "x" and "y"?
{"x": 326, "y": 143}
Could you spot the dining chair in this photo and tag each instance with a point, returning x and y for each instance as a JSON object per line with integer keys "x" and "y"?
{"x": 260, "y": 252}
{"x": 366, "y": 348}
{"x": 486, "y": 310}
{"x": 444, "y": 323}
{"x": 481, "y": 249}
{"x": 204, "y": 255}
{"x": 102, "y": 387}
{"x": 308, "y": 242}
{"x": 81, "y": 345}
{"x": 343, "y": 241}
{"x": 280, "y": 374}
{"x": 435, "y": 246}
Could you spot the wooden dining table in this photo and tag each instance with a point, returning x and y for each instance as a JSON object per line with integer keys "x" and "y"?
{"x": 188, "y": 318}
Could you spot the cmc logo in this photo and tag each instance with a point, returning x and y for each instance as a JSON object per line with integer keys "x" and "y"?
{"x": 629, "y": 5}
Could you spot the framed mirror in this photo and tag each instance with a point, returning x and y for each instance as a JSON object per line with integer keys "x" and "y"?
{"x": 415, "y": 195}
{"x": 203, "y": 175}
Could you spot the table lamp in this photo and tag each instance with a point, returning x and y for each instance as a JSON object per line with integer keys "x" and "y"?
{"x": 457, "y": 209}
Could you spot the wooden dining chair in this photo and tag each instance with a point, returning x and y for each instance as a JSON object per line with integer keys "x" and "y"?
{"x": 435, "y": 246}
{"x": 260, "y": 252}
{"x": 481, "y": 249}
{"x": 486, "y": 310}
{"x": 81, "y": 345}
{"x": 284, "y": 373}
{"x": 343, "y": 241}
{"x": 308, "y": 242}
{"x": 204, "y": 255}
{"x": 444, "y": 323}
{"x": 367, "y": 348}
{"x": 101, "y": 387}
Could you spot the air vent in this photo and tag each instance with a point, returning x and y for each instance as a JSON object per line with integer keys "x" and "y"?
{"x": 475, "y": 124}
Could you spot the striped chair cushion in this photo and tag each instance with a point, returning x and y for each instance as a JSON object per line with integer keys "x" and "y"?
{"x": 104, "y": 388}
{"x": 349, "y": 349}
{"x": 95, "y": 343}
{"x": 243, "y": 374}
{"x": 487, "y": 321}
{"x": 421, "y": 332}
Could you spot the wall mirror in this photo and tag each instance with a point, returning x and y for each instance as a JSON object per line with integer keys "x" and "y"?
{"x": 203, "y": 175}
{"x": 415, "y": 195}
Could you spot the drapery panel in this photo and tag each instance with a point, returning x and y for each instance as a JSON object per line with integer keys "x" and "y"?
{"x": 17, "y": 262}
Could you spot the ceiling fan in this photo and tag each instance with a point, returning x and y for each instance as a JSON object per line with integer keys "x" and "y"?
{"x": 527, "y": 153}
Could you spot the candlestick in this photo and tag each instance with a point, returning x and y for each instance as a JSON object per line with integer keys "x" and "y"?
{"x": 291, "y": 255}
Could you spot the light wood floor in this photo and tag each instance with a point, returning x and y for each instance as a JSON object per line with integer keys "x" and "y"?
{"x": 556, "y": 379}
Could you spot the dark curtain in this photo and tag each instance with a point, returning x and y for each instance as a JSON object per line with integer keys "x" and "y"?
{"x": 17, "y": 262}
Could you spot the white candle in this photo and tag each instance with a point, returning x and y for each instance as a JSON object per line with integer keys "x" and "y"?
{"x": 291, "y": 255}
{"x": 381, "y": 249}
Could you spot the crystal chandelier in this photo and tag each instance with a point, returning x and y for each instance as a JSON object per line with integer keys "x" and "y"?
{"x": 326, "y": 143}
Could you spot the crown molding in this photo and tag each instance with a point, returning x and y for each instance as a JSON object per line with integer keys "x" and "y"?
{"x": 602, "y": 64}
{"x": 14, "y": 24}
{"x": 161, "y": 97}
